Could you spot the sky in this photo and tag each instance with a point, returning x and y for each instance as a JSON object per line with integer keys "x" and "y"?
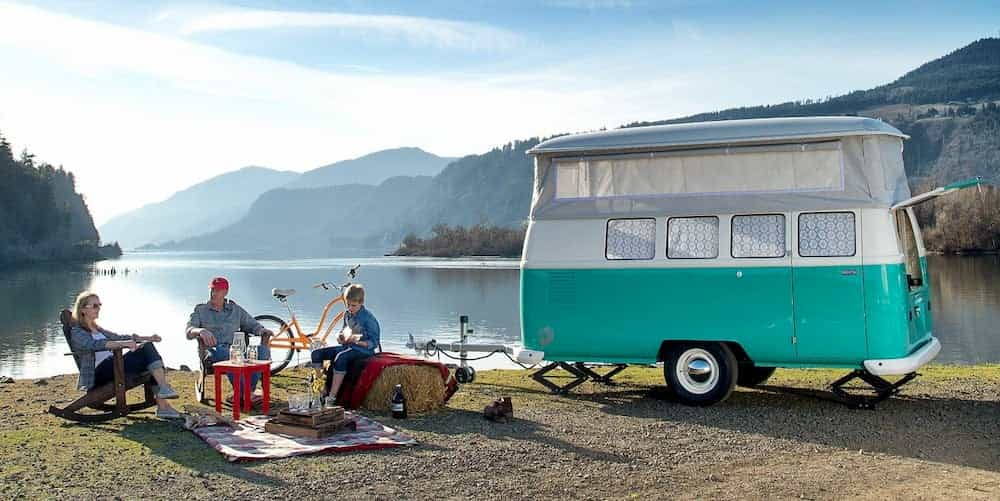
{"x": 143, "y": 99}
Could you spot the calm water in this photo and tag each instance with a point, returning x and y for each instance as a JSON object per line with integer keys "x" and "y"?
{"x": 419, "y": 296}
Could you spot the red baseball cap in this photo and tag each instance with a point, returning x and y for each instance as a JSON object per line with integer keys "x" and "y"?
{"x": 220, "y": 283}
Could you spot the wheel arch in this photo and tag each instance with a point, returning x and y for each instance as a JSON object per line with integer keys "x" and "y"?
{"x": 667, "y": 344}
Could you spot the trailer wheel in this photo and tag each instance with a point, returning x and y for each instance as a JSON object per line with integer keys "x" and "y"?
{"x": 751, "y": 375}
{"x": 465, "y": 375}
{"x": 701, "y": 374}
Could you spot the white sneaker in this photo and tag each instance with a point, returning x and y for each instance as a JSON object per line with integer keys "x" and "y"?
{"x": 166, "y": 392}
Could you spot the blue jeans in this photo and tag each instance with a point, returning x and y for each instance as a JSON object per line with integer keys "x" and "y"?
{"x": 220, "y": 352}
{"x": 342, "y": 356}
{"x": 136, "y": 362}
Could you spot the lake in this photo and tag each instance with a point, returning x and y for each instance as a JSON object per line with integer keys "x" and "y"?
{"x": 155, "y": 293}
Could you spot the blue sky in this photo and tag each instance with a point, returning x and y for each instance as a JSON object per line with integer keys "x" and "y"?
{"x": 141, "y": 99}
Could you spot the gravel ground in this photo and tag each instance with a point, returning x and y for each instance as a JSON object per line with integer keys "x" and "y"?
{"x": 941, "y": 438}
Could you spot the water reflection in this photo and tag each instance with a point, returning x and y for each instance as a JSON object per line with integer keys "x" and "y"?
{"x": 966, "y": 307}
{"x": 31, "y": 300}
{"x": 423, "y": 297}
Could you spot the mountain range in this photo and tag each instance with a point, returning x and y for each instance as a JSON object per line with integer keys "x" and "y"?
{"x": 224, "y": 200}
{"x": 947, "y": 106}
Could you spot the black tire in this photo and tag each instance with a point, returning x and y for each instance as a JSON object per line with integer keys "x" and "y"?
{"x": 279, "y": 356}
{"x": 465, "y": 375}
{"x": 751, "y": 375}
{"x": 717, "y": 372}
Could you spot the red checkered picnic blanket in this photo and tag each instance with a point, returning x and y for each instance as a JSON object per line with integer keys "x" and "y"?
{"x": 251, "y": 442}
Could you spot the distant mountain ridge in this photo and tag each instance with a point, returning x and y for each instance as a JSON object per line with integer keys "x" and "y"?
{"x": 212, "y": 205}
{"x": 971, "y": 73}
{"x": 201, "y": 208}
{"x": 316, "y": 221}
{"x": 373, "y": 168}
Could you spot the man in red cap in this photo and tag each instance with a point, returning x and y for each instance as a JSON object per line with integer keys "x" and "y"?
{"x": 216, "y": 322}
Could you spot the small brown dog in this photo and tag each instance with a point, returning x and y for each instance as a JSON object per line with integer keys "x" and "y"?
{"x": 500, "y": 411}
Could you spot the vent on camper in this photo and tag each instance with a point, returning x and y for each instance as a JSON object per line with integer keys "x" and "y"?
{"x": 562, "y": 289}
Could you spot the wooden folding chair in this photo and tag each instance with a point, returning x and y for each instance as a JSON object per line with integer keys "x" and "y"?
{"x": 98, "y": 397}
{"x": 204, "y": 370}
{"x": 205, "y": 367}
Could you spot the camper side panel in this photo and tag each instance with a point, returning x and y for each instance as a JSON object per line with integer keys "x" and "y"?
{"x": 578, "y": 305}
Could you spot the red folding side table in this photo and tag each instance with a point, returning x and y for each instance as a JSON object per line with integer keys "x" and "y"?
{"x": 241, "y": 383}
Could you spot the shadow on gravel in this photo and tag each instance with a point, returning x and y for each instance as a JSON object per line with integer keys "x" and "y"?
{"x": 459, "y": 422}
{"x": 946, "y": 430}
{"x": 173, "y": 442}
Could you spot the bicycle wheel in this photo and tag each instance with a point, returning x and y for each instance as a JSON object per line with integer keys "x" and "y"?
{"x": 280, "y": 356}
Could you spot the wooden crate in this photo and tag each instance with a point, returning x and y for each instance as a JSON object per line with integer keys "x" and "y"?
{"x": 313, "y": 419}
{"x": 310, "y": 432}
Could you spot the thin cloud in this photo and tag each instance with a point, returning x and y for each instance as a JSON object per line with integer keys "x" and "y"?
{"x": 420, "y": 31}
{"x": 591, "y": 4}
{"x": 230, "y": 109}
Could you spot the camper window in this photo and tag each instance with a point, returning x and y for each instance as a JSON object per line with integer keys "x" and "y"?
{"x": 827, "y": 234}
{"x": 693, "y": 237}
{"x": 784, "y": 168}
{"x": 630, "y": 239}
{"x": 758, "y": 236}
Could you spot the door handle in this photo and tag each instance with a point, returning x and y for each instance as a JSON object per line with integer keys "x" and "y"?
{"x": 848, "y": 273}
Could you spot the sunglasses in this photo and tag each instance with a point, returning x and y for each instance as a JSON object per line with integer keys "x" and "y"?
{"x": 95, "y": 305}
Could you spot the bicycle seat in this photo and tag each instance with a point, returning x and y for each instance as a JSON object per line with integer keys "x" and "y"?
{"x": 282, "y": 293}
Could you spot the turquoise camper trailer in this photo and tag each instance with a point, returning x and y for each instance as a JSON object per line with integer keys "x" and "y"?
{"x": 727, "y": 249}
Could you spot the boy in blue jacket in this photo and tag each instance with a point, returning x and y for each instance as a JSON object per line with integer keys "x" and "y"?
{"x": 358, "y": 338}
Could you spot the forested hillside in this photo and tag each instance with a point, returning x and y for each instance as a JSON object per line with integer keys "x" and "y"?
{"x": 494, "y": 187}
{"x": 948, "y": 107}
{"x": 42, "y": 218}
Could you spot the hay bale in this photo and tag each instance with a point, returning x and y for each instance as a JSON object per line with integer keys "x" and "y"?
{"x": 423, "y": 388}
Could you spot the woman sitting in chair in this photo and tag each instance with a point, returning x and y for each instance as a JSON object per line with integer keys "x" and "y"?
{"x": 92, "y": 344}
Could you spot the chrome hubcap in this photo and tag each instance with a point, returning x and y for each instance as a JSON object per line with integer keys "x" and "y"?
{"x": 697, "y": 371}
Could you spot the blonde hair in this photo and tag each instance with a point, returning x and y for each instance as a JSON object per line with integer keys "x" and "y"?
{"x": 354, "y": 292}
{"x": 81, "y": 302}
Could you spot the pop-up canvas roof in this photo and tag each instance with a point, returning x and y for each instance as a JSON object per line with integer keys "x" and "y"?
{"x": 735, "y": 166}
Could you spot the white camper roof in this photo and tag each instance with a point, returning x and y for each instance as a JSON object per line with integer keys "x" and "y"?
{"x": 760, "y": 165}
{"x": 725, "y": 132}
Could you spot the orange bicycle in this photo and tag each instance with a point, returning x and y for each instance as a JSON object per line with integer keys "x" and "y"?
{"x": 285, "y": 343}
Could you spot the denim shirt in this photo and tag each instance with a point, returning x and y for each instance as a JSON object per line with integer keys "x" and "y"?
{"x": 363, "y": 323}
{"x": 83, "y": 345}
{"x": 224, "y": 323}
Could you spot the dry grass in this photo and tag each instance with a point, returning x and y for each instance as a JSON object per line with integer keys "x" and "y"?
{"x": 422, "y": 387}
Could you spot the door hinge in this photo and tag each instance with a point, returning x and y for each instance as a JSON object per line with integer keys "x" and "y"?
{"x": 795, "y": 339}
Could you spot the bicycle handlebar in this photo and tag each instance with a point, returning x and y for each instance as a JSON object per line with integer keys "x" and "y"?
{"x": 351, "y": 273}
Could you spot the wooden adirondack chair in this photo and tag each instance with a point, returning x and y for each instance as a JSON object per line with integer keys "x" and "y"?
{"x": 98, "y": 397}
